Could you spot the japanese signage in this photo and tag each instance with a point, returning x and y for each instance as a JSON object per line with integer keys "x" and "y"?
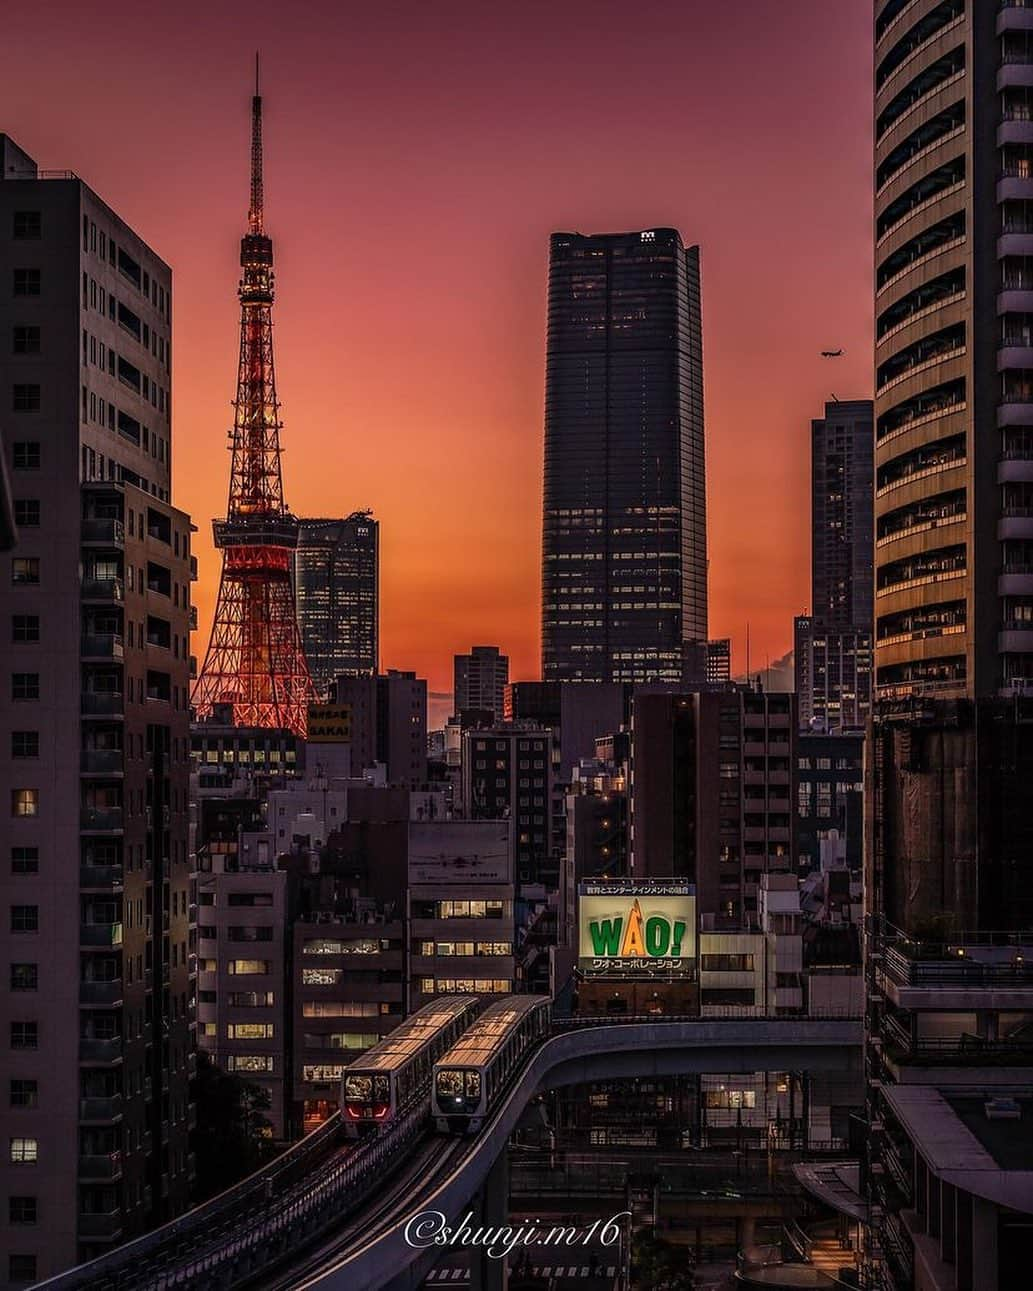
{"x": 645, "y": 929}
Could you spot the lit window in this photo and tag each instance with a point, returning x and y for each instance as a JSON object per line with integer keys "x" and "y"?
{"x": 24, "y": 1151}
{"x": 24, "y": 802}
{"x": 25, "y": 569}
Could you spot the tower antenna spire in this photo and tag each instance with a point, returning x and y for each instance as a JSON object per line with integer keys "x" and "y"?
{"x": 256, "y": 659}
{"x": 256, "y": 213}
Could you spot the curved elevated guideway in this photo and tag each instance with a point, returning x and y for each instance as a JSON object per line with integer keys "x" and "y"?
{"x": 329, "y": 1216}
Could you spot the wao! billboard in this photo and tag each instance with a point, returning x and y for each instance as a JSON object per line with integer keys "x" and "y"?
{"x": 645, "y": 929}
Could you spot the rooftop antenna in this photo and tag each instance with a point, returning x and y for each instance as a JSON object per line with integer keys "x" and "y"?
{"x": 255, "y": 214}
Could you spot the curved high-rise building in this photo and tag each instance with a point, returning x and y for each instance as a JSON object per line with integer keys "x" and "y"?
{"x": 624, "y": 559}
{"x": 954, "y": 347}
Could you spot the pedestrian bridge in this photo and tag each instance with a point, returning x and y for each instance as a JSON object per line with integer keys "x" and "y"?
{"x": 328, "y": 1215}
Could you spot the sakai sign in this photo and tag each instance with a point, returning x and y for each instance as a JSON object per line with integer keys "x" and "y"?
{"x": 329, "y": 723}
{"x": 637, "y": 929}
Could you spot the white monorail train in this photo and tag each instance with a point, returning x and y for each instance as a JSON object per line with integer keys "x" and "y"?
{"x": 387, "y": 1077}
{"x": 470, "y": 1075}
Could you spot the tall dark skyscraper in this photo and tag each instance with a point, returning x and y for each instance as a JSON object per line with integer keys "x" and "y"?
{"x": 624, "y": 561}
{"x": 96, "y": 881}
{"x": 337, "y": 589}
{"x": 948, "y": 885}
{"x": 841, "y": 515}
{"x": 833, "y": 644}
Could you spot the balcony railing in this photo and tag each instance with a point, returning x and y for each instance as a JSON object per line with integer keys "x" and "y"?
{"x": 104, "y": 531}
{"x": 105, "y": 993}
{"x": 100, "y": 1227}
{"x": 100, "y": 934}
{"x": 102, "y": 645}
{"x": 107, "y": 1108}
{"x": 102, "y": 703}
{"x": 103, "y": 589}
{"x": 95, "y": 1049}
{"x": 106, "y": 1166}
{"x": 101, "y": 761}
{"x": 100, "y": 876}
{"x": 957, "y": 970}
{"x": 101, "y": 819}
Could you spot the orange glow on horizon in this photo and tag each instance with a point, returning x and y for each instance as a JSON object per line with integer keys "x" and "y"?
{"x": 416, "y": 160}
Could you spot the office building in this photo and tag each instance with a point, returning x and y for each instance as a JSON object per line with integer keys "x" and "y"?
{"x": 719, "y": 661}
{"x": 841, "y": 514}
{"x": 830, "y": 799}
{"x": 833, "y": 644}
{"x": 480, "y": 680}
{"x": 624, "y": 560}
{"x": 713, "y": 783}
{"x": 337, "y": 592}
{"x": 949, "y": 824}
{"x": 242, "y": 1010}
{"x": 460, "y": 914}
{"x": 508, "y": 775}
{"x": 97, "y": 996}
{"x": 388, "y": 716}
{"x": 833, "y": 668}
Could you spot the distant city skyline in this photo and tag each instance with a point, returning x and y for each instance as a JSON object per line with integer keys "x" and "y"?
{"x": 470, "y": 172}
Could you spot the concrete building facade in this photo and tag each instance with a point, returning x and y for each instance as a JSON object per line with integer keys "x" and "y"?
{"x": 97, "y": 1000}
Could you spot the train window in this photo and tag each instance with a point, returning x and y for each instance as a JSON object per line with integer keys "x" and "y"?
{"x": 473, "y": 1086}
{"x": 359, "y": 1088}
{"x": 450, "y": 1085}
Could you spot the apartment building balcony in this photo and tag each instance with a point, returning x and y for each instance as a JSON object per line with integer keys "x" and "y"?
{"x": 101, "y": 1110}
{"x": 1014, "y": 17}
{"x": 107, "y": 994}
{"x": 106, "y": 762}
{"x": 100, "y": 1168}
{"x": 102, "y": 645}
{"x": 1014, "y": 353}
{"x": 103, "y": 590}
{"x": 100, "y": 1227}
{"x": 100, "y": 934}
{"x": 100, "y": 1051}
{"x": 103, "y": 533}
{"x": 104, "y": 878}
{"x": 1015, "y": 638}
{"x": 1014, "y": 524}
{"x": 101, "y": 820}
{"x": 1014, "y": 299}
{"x": 102, "y": 703}
{"x": 1014, "y": 411}
{"x": 1012, "y": 469}
{"x": 1015, "y": 581}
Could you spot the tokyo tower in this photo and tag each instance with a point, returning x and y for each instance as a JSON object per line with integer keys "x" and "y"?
{"x": 255, "y": 660}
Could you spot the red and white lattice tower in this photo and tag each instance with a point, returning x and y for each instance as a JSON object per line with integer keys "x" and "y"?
{"x": 255, "y": 660}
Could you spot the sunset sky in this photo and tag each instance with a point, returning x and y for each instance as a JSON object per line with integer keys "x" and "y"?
{"x": 417, "y": 157}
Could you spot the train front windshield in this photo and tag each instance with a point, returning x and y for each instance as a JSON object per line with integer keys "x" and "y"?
{"x": 367, "y": 1097}
{"x": 458, "y": 1090}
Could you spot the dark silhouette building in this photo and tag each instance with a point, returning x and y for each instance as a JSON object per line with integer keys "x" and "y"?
{"x": 480, "y": 680}
{"x": 833, "y": 644}
{"x": 98, "y": 981}
{"x": 624, "y": 562}
{"x": 337, "y": 590}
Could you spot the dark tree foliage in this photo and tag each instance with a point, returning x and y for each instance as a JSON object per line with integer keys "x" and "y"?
{"x": 233, "y": 1136}
{"x": 658, "y": 1265}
